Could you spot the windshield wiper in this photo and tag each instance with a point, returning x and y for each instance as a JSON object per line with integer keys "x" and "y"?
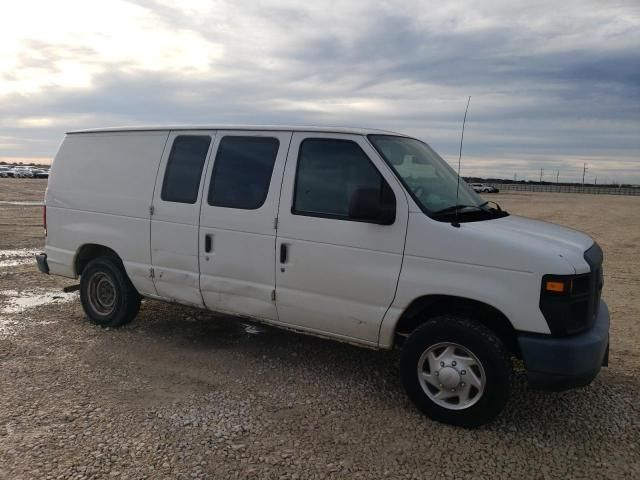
{"x": 455, "y": 208}
{"x": 497, "y": 209}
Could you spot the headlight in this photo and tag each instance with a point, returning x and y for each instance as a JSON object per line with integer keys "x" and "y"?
{"x": 566, "y": 302}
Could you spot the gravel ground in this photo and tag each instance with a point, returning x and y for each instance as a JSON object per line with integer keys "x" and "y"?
{"x": 182, "y": 393}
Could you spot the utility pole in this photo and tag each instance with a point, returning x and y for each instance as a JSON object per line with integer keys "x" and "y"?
{"x": 596, "y": 182}
{"x": 584, "y": 171}
{"x": 557, "y": 175}
{"x": 541, "y": 175}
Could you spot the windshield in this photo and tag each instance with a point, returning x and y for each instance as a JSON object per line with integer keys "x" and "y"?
{"x": 425, "y": 173}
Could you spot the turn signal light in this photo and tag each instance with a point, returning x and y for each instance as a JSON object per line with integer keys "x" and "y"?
{"x": 555, "y": 286}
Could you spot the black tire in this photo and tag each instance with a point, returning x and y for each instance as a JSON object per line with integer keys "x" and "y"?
{"x": 107, "y": 274}
{"x": 495, "y": 362}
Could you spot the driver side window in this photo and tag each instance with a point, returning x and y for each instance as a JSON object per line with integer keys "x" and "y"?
{"x": 329, "y": 172}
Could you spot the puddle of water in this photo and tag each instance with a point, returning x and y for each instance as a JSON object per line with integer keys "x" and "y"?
{"x": 15, "y": 308}
{"x": 16, "y": 257}
{"x": 16, "y": 263}
{"x": 17, "y": 253}
{"x": 18, "y": 303}
{"x": 33, "y": 203}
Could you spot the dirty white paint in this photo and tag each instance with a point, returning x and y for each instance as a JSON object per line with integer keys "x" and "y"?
{"x": 16, "y": 307}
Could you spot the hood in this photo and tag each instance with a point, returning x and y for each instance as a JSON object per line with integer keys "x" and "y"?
{"x": 550, "y": 232}
{"x": 512, "y": 242}
{"x": 555, "y": 239}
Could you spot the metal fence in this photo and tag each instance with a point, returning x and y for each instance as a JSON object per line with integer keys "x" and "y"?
{"x": 525, "y": 187}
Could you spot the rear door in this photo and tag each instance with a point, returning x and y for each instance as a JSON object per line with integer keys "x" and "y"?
{"x": 336, "y": 274}
{"x": 176, "y": 210}
{"x": 237, "y": 222}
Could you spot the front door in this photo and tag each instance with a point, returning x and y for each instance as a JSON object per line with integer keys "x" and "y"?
{"x": 174, "y": 222}
{"x": 336, "y": 274}
{"x": 237, "y": 222}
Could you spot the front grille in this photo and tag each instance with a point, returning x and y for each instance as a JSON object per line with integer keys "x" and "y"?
{"x": 581, "y": 285}
{"x": 578, "y": 311}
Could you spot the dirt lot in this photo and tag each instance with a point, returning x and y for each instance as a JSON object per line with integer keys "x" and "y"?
{"x": 182, "y": 393}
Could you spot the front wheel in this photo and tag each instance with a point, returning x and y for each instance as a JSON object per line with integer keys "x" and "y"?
{"x": 456, "y": 371}
{"x": 108, "y": 297}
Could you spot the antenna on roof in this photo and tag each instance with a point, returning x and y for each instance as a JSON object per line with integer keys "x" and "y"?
{"x": 460, "y": 158}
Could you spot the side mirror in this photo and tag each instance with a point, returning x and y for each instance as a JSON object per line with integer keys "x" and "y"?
{"x": 366, "y": 204}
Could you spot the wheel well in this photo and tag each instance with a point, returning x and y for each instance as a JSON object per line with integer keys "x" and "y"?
{"x": 88, "y": 252}
{"x": 424, "y": 308}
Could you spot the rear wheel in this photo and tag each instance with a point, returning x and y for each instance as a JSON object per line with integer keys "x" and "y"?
{"x": 108, "y": 297}
{"x": 456, "y": 371}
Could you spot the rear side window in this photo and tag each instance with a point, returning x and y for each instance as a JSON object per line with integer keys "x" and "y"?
{"x": 184, "y": 168}
{"x": 329, "y": 172}
{"x": 242, "y": 172}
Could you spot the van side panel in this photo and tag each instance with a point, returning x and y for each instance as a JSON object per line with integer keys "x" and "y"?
{"x": 99, "y": 192}
{"x": 464, "y": 262}
{"x": 510, "y": 292}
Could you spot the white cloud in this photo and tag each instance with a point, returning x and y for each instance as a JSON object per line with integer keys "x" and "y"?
{"x": 552, "y": 82}
{"x": 68, "y": 42}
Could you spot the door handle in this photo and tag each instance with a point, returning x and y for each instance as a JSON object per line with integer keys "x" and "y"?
{"x": 284, "y": 252}
{"x": 207, "y": 243}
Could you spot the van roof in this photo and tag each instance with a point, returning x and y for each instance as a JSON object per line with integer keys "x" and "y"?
{"x": 286, "y": 128}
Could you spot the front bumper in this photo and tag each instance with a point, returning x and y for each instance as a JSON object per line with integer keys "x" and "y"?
{"x": 554, "y": 363}
{"x": 43, "y": 266}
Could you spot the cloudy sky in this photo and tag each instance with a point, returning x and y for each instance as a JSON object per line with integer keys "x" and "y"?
{"x": 554, "y": 84}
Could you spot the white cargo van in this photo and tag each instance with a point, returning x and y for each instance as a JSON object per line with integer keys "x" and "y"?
{"x": 353, "y": 234}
